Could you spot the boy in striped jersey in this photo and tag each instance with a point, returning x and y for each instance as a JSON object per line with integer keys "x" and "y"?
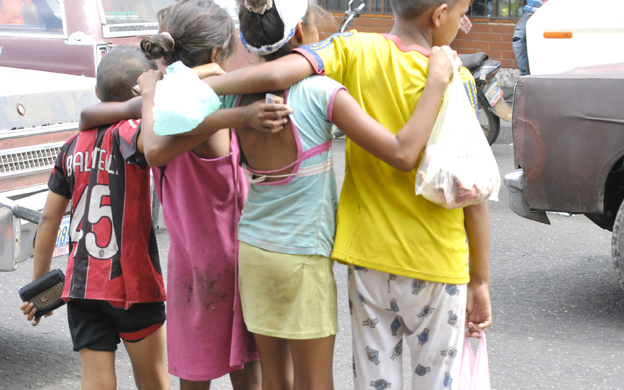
{"x": 114, "y": 284}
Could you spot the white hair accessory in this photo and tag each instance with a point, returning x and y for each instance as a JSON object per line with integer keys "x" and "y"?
{"x": 168, "y": 36}
{"x": 259, "y": 10}
{"x": 291, "y": 12}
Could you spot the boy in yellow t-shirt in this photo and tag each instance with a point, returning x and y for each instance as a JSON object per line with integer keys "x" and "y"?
{"x": 408, "y": 258}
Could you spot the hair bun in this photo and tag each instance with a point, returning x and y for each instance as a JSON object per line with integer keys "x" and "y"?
{"x": 157, "y": 46}
{"x": 258, "y": 6}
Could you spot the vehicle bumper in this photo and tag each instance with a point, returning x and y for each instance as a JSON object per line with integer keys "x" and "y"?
{"x": 516, "y": 183}
{"x": 18, "y": 222}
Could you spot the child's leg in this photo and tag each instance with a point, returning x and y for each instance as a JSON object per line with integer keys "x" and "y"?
{"x": 275, "y": 362}
{"x": 436, "y": 357}
{"x": 312, "y": 362}
{"x": 191, "y": 385}
{"x": 149, "y": 361}
{"x": 95, "y": 336}
{"x": 249, "y": 378}
{"x": 140, "y": 327}
{"x": 98, "y": 370}
{"x": 377, "y": 331}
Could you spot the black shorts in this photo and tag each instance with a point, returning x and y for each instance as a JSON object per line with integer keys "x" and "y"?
{"x": 99, "y": 326}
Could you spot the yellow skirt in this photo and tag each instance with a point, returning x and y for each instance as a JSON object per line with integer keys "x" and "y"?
{"x": 287, "y": 296}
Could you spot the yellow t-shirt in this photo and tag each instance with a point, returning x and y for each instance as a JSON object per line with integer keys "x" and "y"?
{"x": 382, "y": 224}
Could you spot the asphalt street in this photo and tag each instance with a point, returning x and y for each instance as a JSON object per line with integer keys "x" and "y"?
{"x": 558, "y": 310}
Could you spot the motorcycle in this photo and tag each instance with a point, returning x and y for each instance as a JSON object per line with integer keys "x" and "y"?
{"x": 492, "y": 106}
{"x": 350, "y": 16}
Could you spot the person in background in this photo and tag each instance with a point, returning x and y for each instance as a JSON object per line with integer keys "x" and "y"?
{"x": 11, "y": 12}
{"x": 519, "y": 38}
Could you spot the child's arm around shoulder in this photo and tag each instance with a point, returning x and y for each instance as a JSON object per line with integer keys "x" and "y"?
{"x": 330, "y": 57}
{"x": 402, "y": 150}
{"x": 276, "y": 75}
{"x": 47, "y": 231}
{"x": 111, "y": 112}
{"x": 159, "y": 150}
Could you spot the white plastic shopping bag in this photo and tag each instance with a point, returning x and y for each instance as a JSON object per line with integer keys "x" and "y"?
{"x": 182, "y": 101}
{"x": 474, "y": 373}
{"x": 458, "y": 168}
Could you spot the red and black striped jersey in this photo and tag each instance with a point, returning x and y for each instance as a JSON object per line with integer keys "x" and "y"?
{"x": 113, "y": 255}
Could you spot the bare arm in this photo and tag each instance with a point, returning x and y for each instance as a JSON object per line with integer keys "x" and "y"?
{"x": 113, "y": 112}
{"x": 271, "y": 76}
{"x": 51, "y": 218}
{"x": 478, "y": 304}
{"x": 105, "y": 113}
{"x": 402, "y": 150}
{"x": 162, "y": 149}
{"x": 159, "y": 150}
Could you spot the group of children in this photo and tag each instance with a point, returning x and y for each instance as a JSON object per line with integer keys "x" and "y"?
{"x": 251, "y": 212}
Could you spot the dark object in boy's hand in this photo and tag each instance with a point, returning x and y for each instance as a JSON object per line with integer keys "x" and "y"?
{"x": 45, "y": 292}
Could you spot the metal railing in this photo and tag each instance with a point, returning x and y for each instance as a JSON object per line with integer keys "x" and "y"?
{"x": 372, "y": 6}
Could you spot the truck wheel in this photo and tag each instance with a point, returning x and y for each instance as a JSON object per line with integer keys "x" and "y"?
{"x": 617, "y": 245}
{"x": 490, "y": 123}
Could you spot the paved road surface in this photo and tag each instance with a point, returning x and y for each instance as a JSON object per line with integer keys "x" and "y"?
{"x": 558, "y": 311}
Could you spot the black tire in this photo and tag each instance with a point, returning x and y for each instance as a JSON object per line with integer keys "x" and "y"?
{"x": 617, "y": 245}
{"x": 490, "y": 123}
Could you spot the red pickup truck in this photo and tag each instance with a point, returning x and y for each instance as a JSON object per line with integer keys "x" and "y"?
{"x": 71, "y": 36}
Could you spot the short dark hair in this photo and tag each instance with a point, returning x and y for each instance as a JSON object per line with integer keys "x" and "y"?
{"x": 411, "y": 9}
{"x": 118, "y": 73}
{"x": 197, "y": 27}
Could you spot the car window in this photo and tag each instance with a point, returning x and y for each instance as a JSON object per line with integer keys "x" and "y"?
{"x": 31, "y": 17}
{"x": 131, "y": 17}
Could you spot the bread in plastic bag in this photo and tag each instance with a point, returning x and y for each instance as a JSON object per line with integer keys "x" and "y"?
{"x": 182, "y": 101}
{"x": 458, "y": 168}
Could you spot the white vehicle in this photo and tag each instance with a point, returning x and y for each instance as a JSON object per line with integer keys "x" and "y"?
{"x": 567, "y": 34}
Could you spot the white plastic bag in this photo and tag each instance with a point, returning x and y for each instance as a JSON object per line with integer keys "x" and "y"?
{"x": 458, "y": 168}
{"x": 474, "y": 373}
{"x": 182, "y": 101}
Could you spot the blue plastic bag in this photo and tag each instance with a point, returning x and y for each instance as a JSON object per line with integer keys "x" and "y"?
{"x": 182, "y": 101}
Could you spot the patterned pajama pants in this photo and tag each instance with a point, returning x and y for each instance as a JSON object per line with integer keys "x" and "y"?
{"x": 384, "y": 309}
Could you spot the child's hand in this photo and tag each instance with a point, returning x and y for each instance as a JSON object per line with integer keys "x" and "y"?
{"x": 266, "y": 117}
{"x": 441, "y": 67}
{"x": 465, "y": 25}
{"x": 29, "y": 310}
{"x": 478, "y": 309}
{"x": 147, "y": 81}
{"x": 208, "y": 70}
